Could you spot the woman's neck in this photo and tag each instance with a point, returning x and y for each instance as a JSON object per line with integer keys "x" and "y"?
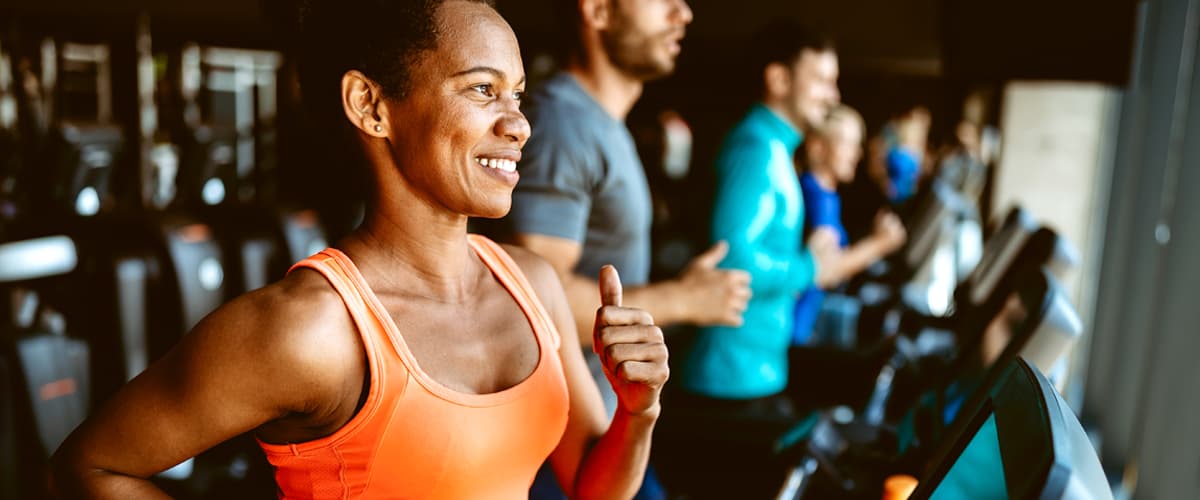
{"x": 409, "y": 245}
{"x": 825, "y": 178}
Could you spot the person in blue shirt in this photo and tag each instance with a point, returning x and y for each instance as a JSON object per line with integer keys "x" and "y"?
{"x": 906, "y": 137}
{"x": 830, "y": 157}
{"x": 758, "y": 210}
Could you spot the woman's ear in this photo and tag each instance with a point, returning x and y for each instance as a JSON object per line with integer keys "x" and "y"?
{"x": 362, "y": 104}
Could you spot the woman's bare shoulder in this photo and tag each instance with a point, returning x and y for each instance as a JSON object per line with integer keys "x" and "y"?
{"x": 539, "y": 272}
{"x": 299, "y": 324}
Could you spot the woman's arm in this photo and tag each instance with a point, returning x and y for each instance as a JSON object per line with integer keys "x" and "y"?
{"x": 634, "y": 356}
{"x": 241, "y": 367}
{"x": 595, "y": 458}
{"x": 888, "y": 236}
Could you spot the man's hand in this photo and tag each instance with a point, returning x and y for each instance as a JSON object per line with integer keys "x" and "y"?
{"x": 711, "y": 296}
{"x": 631, "y": 349}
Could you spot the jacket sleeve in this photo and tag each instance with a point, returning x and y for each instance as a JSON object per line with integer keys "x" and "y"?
{"x": 745, "y": 207}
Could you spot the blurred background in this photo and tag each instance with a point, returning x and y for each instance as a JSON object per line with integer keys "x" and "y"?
{"x": 154, "y": 163}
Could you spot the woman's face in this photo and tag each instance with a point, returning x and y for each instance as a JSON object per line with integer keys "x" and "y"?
{"x": 845, "y": 149}
{"x": 457, "y": 136}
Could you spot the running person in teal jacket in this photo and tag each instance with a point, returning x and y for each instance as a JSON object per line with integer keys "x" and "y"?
{"x": 759, "y": 211}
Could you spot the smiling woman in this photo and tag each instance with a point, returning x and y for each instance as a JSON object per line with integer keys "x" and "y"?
{"x": 457, "y": 86}
{"x": 413, "y": 360}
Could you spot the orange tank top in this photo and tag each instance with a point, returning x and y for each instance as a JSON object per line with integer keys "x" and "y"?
{"x": 415, "y": 438}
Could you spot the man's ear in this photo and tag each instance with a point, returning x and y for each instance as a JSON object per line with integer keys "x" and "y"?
{"x": 595, "y": 14}
{"x": 362, "y": 104}
{"x": 777, "y": 79}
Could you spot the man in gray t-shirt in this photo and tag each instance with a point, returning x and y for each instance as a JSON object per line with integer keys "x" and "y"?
{"x": 581, "y": 180}
{"x": 583, "y": 199}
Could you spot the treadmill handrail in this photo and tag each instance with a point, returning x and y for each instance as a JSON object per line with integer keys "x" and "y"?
{"x": 37, "y": 258}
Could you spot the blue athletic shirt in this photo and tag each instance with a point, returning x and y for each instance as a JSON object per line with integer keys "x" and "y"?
{"x": 824, "y": 209}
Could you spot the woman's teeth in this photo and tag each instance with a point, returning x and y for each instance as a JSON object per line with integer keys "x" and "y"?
{"x": 505, "y": 165}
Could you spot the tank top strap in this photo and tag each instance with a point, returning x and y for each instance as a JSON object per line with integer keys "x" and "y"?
{"x": 507, "y": 271}
{"x": 371, "y": 327}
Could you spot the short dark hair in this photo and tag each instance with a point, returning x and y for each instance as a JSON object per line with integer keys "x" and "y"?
{"x": 381, "y": 38}
{"x": 783, "y": 40}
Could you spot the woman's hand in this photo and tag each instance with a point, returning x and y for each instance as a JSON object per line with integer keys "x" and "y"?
{"x": 631, "y": 349}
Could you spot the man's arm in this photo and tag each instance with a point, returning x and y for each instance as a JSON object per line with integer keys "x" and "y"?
{"x": 550, "y": 210}
{"x": 746, "y": 206}
{"x": 702, "y": 294}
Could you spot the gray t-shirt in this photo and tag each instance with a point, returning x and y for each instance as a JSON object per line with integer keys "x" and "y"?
{"x": 581, "y": 179}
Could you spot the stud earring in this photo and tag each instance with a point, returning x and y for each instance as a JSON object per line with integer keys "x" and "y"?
{"x": 378, "y": 128}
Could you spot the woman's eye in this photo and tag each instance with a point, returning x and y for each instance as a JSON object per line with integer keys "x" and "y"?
{"x": 485, "y": 90}
{"x": 519, "y": 95}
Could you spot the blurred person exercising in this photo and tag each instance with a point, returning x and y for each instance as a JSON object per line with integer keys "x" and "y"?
{"x": 584, "y": 199}
{"x": 830, "y": 157}
{"x": 760, "y": 212}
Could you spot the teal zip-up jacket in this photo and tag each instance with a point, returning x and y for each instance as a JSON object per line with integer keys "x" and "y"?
{"x": 759, "y": 211}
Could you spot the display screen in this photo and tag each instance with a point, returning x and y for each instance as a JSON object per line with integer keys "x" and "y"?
{"x": 978, "y": 473}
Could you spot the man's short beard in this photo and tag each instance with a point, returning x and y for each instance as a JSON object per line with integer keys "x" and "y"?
{"x": 631, "y": 52}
